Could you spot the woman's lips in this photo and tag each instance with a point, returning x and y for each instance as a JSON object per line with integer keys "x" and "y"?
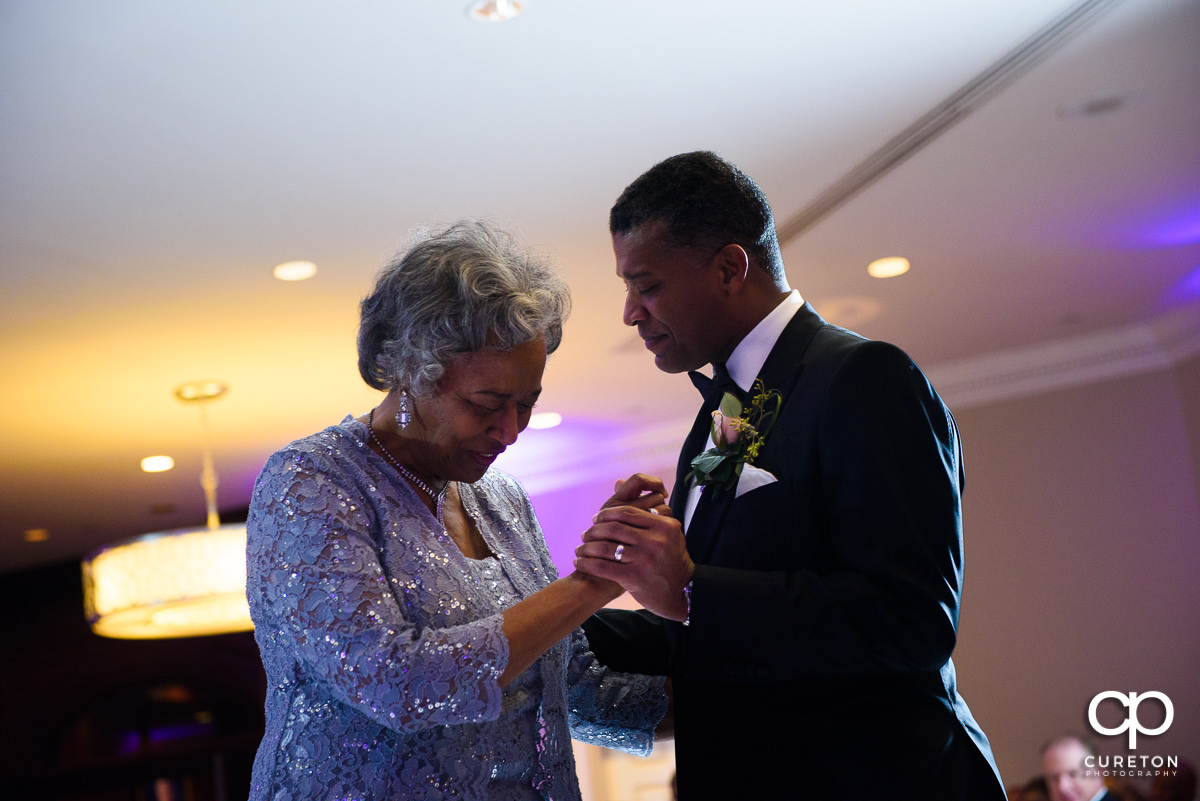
{"x": 485, "y": 458}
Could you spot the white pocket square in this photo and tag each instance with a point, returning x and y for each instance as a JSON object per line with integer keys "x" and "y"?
{"x": 752, "y": 478}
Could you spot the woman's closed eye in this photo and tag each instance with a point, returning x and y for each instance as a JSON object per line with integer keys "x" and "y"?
{"x": 522, "y": 408}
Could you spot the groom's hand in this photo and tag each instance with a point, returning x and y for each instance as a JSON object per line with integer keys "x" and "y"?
{"x": 644, "y": 552}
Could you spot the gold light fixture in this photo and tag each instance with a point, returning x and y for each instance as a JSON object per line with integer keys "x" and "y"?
{"x": 180, "y": 583}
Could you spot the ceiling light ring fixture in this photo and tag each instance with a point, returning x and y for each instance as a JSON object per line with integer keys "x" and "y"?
{"x": 180, "y": 583}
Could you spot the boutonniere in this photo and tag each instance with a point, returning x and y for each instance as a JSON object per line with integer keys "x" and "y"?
{"x": 738, "y": 433}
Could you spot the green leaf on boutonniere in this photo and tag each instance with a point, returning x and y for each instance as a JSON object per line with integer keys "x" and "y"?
{"x": 730, "y": 405}
{"x": 709, "y": 461}
{"x": 716, "y": 469}
{"x": 738, "y": 433}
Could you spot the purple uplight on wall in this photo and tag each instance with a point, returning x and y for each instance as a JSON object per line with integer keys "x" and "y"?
{"x": 565, "y": 514}
{"x": 569, "y": 471}
{"x": 552, "y": 465}
{"x": 1179, "y": 234}
{"x": 1169, "y": 221}
{"x": 1179, "y": 229}
{"x": 550, "y": 458}
{"x": 1185, "y": 290}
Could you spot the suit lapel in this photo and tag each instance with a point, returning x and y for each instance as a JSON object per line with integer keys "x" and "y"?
{"x": 781, "y": 371}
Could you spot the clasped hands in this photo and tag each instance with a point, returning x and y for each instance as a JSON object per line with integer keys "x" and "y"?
{"x": 635, "y": 543}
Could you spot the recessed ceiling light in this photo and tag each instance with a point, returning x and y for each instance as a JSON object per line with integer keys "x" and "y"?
{"x": 295, "y": 270}
{"x": 200, "y": 390}
{"x": 1095, "y": 106}
{"x": 36, "y": 535}
{"x": 494, "y": 10}
{"x": 889, "y": 267}
{"x": 545, "y": 420}
{"x": 157, "y": 464}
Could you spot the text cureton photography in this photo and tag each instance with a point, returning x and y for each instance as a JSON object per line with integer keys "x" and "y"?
{"x": 1131, "y": 765}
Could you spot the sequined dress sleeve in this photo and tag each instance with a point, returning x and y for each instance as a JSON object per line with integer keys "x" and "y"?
{"x": 383, "y": 645}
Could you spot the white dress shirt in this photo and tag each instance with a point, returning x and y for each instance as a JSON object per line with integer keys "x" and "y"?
{"x": 744, "y": 365}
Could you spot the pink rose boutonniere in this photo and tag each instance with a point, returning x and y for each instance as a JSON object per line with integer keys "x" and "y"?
{"x": 738, "y": 433}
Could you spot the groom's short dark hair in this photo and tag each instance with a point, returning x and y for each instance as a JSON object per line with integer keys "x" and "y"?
{"x": 706, "y": 203}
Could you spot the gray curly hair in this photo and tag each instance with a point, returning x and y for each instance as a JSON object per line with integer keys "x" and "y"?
{"x": 468, "y": 288}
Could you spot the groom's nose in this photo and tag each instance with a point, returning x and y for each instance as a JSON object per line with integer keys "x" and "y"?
{"x": 634, "y": 311}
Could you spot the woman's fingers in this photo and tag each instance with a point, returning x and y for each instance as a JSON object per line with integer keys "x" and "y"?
{"x": 640, "y": 489}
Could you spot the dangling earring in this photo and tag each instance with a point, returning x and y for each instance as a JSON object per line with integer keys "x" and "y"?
{"x": 403, "y": 415}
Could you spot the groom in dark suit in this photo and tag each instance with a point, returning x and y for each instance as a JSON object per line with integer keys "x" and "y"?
{"x": 807, "y": 617}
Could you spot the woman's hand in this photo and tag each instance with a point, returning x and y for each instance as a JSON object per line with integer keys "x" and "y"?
{"x": 641, "y": 491}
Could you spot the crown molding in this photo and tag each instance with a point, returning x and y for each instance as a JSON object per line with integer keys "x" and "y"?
{"x": 1159, "y": 344}
{"x": 969, "y": 97}
{"x": 1179, "y": 333}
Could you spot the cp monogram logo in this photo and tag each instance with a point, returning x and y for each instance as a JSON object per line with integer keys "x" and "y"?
{"x": 1131, "y": 723}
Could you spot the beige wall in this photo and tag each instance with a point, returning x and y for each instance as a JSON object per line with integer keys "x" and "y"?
{"x": 1083, "y": 548}
{"x": 1188, "y": 377}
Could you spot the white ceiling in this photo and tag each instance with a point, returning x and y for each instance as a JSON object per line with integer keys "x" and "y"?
{"x": 157, "y": 159}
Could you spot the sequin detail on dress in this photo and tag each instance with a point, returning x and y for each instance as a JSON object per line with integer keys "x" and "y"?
{"x": 382, "y": 642}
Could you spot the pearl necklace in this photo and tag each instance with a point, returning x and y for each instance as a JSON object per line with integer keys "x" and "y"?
{"x": 438, "y": 496}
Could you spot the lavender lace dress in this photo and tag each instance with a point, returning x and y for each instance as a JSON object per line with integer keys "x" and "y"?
{"x": 382, "y": 642}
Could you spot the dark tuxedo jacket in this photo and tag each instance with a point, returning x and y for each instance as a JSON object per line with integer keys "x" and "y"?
{"x": 824, "y": 605}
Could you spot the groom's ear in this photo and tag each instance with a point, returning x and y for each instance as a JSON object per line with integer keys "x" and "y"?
{"x": 734, "y": 264}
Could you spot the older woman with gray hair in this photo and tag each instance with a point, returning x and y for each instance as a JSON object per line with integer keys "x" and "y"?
{"x": 416, "y": 639}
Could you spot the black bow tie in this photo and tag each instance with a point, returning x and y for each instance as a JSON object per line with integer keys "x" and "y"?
{"x": 713, "y": 389}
